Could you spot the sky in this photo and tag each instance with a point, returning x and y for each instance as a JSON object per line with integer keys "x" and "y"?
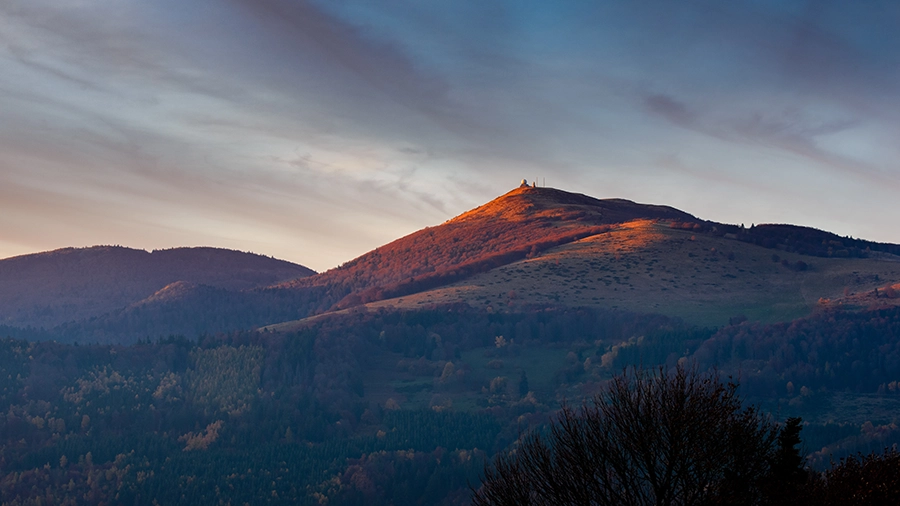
{"x": 314, "y": 131}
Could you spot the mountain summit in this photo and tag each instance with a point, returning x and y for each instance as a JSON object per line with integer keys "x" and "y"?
{"x": 516, "y": 225}
{"x": 528, "y": 202}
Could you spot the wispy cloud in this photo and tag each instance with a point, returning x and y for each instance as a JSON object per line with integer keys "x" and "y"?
{"x": 788, "y": 130}
{"x": 317, "y": 130}
{"x": 672, "y": 110}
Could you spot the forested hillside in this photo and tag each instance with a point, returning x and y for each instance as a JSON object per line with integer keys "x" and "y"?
{"x": 380, "y": 407}
{"x": 71, "y": 284}
{"x": 188, "y": 310}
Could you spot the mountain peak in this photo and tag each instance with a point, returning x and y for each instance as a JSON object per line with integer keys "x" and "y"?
{"x": 530, "y": 202}
{"x": 521, "y": 203}
{"x": 516, "y": 225}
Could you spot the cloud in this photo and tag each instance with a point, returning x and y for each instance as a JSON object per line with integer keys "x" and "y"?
{"x": 310, "y": 122}
{"x": 123, "y": 106}
{"x": 671, "y": 109}
{"x": 789, "y": 130}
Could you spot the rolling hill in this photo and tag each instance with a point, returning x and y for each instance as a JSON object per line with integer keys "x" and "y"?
{"x": 520, "y": 224}
{"x": 72, "y": 284}
{"x": 529, "y": 248}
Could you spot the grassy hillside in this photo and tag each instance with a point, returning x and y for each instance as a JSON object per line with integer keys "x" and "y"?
{"x": 648, "y": 266}
{"x": 514, "y": 226}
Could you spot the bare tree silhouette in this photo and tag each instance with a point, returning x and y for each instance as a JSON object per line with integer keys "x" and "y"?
{"x": 651, "y": 438}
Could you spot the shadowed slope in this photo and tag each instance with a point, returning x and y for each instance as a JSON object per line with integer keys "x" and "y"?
{"x": 46, "y": 289}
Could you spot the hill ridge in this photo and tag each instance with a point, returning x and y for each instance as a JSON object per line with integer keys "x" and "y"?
{"x": 570, "y": 239}
{"x": 67, "y": 284}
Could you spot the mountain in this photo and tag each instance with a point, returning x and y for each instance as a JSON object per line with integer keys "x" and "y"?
{"x": 542, "y": 247}
{"x": 530, "y": 248}
{"x": 519, "y": 224}
{"x": 72, "y": 284}
{"x": 393, "y": 378}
